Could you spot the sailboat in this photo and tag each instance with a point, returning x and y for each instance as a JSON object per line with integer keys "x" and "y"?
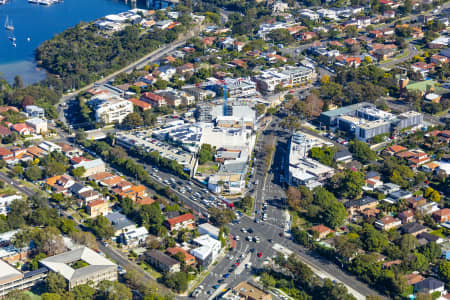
{"x": 8, "y": 26}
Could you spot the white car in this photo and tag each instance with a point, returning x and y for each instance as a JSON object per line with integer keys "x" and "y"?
{"x": 237, "y": 238}
{"x": 244, "y": 230}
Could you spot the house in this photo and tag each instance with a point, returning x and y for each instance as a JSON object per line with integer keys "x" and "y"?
{"x": 429, "y": 167}
{"x": 422, "y": 67}
{"x": 135, "y": 237}
{"x": 188, "y": 258}
{"x": 389, "y": 14}
{"x": 387, "y": 223}
{"x": 442, "y": 215}
{"x": 70, "y": 151}
{"x": 414, "y": 278}
{"x": 34, "y": 111}
{"x": 97, "y": 208}
{"x": 413, "y": 228}
{"x": 321, "y": 231}
{"x": 427, "y": 208}
{"x": 50, "y": 147}
{"x": 22, "y": 129}
{"x": 388, "y": 188}
{"x": 429, "y": 285}
{"x": 185, "y": 221}
{"x": 162, "y": 261}
{"x": 407, "y": 216}
{"x": 413, "y": 202}
{"x": 392, "y": 150}
{"x": 306, "y": 36}
{"x": 4, "y": 131}
{"x": 5, "y": 154}
{"x": 373, "y": 183}
{"x": 141, "y": 104}
{"x": 360, "y": 205}
{"x": 120, "y": 223}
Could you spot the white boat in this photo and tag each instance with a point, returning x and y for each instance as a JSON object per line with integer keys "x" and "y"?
{"x": 33, "y": 1}
{"x": 14, "y": 44}
{"x": 28, "y": 39}
{"x": 12, "y": 38}
{"x": 45, "y": 2}
{"x": 8, "y": 26}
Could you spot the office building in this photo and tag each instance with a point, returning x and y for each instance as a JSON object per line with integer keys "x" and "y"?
{"x": 112, "y": 110}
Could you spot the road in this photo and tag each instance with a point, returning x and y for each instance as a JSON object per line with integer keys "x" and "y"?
{"x": 140, "y": 63}
{"x": 17, "y": 185}
{"x": 412, "y": 51}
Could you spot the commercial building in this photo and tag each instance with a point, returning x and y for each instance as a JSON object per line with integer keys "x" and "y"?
{"x": 12, "y": 279}
{"x": 246, "y": 291}
{"x": 91, "y": 167}
{"x": 38, "y": 125}
{"x": 207, "y": 251}
{"x": 304, "y": 170}
{"x": 209, "y": 229}
{"x": 98, "y": 269}
{"x": 289, "y": 77}
{"x": 112, "y": 110}
{"x": 239, "y": 88}
{"x": 365, "y": 121}
{"x": 162, "y": 261}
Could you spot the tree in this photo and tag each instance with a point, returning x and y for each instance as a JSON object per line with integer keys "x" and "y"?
{"x": 84, "y": 238}
{"x": 50, "y": 296}
{"x": 281, "y": 36}
{"x": 362, "y": 152}
{"x": 444, "y": 271}
{"x": 432, "y": 251}
{"x": 260, "y": 109}
{"x": 33, "y": 173}
{"x": 205, "y": 154}
{"x": 313, "y": 106}
{"x": 267, "y": 280}
{"x": 290, "y": 123}
{"x": 132, "y": 120}
{"x": 335, "y": 214}
{"x": 352, "y": 183}
{"x": 55, "y": 283}
{"x": 80, "y": 136}
{"x": 49, "y": 241}
{"x": 83, "y": 292}
{"x": 372, "y": 239}
{"x": 408, "y": 243}
{"x": 27, "y": 100}
{"x": 323, "y": 154}
{"x": 101, "y": 227}
{"x": 17, "y": 295}
{"x": 78, "y": 172}
{"x": 113, "y": 290}
{"x": 18, "y": 83}
{"x": 177, "y": 281}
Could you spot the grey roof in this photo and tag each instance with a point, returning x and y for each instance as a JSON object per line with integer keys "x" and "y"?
{"x": 346, "y": 109}
{"x": 360, "y": 202}
{"x": 233, "y": 168}
{"x": 60, "y": 263}
{"x": 161, "y": 257}
{"x": 428, "y": 284}
{"x": 118, "y": 220}
{"x": 428, "y": 236}
{"x": 412, "y": 228}
{"x": 400, "y": 194}
{"x": 77, "y": 187}
{"x": 342, "y": 154}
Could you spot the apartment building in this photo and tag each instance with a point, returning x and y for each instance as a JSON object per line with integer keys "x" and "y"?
{"x": 113, "y": 110}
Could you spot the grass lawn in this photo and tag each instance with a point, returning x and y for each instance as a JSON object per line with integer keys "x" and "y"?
{"x": 33, "y": 296}
{"x": 208, "y": 168}
{"x": 155, "y": 274}
{"x": 438, "y": 233}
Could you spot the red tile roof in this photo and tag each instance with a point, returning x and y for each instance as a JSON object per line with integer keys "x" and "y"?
{"x": 180, "y": 219}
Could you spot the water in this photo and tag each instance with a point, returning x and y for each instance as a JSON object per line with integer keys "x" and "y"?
{"x": 40, "y": 23}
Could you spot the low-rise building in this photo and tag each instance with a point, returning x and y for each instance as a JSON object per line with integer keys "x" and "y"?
{"x": 321, "y": 231}
{"x": 98, "y": 208}
{"x": 12, "y": 279}
{"x": 387, "y": 223}
{"x": 209, "y": 229}
{"x": 112, "y": 110}
{"x": 91, "y": 167}
{"x": 359, "y": 205}
{"x": 413, "y": 228}
{"x": 5, "y": 201}
{"x": 207, "y": 251}
{"x": 246, "y": 291}
{"x": 162, "y": 261}
{"x": 430, "y": 286}
{"x": 188, "y": 258}
{"x": 185, "y": 221}
{"x": 442, "y": 215}
{"x": 120, "y": 223}
{"x": 38, "y": 125}
{"x": 135, "y": 237}
{"x": 98, "y": 269}
{"x": 35, "y": 111}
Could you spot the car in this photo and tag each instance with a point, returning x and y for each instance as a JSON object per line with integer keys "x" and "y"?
{"x": 249, "y": 238}
{"x": 200, "y": 287}
{"x": 236, "y": 264}
{"x": 237, "y": 238}
{"x": 225, "y": 276}
{"x": 250, "y": 230}
{"x": 216, "y": 286}
{"x": 270, "y": 240}
{"x": 210, "y": 292}
{"x": 259, "y": 254}
{"x": 243, "y": 230}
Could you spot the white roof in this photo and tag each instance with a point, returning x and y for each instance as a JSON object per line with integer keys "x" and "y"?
{"x": 444, "y": 166}
{"x": 60, "y": 263}
{"x": 206, "y": 240}
{"x": 7, "y": 236}
{"x": 201, "y": 252}
{"x": 7, "y": 272}
{"x": 88, "y": 164}
{"x": 35, "y": 121}
{"x": 209, "y": 228}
